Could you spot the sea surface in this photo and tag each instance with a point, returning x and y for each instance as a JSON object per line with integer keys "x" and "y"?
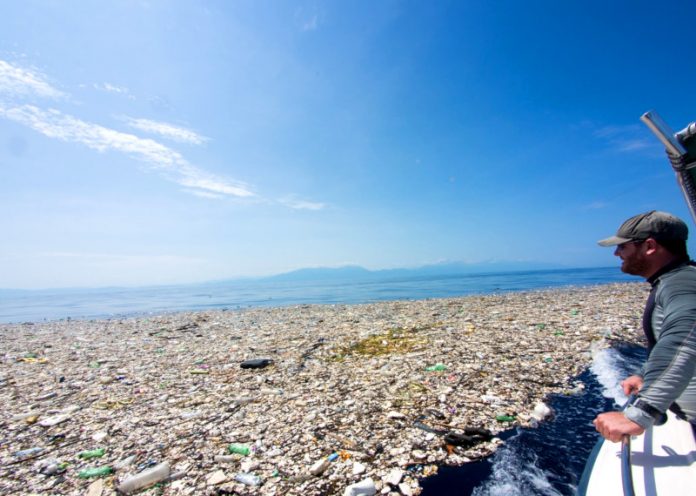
{"x": 93, "y": 303}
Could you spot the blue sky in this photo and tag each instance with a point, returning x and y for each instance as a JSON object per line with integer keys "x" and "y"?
{"x": 165, "y": 142}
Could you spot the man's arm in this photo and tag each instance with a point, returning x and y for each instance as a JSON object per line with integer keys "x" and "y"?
{"x": 670, "y": 368}
{"x": 672, "y": 362}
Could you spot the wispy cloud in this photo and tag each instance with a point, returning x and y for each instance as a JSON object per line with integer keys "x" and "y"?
{"x": 180, "y": 134}
{"x": 205, "y": 194}
{"x": 112, "y": 88}
{"x": 307, "y": 19}
{"x": 311, "y": 24}
{"x": 625, "y": 138}
{"x": 55, "y": 124}
{"x": 596, "y": 205}
{"x": 120, "y": 258}
{"x": 298, "y": 204}
{"x": 15, "y": 81}
{"x": 18, "y": 84}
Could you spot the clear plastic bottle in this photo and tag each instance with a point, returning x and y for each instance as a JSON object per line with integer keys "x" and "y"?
{"x": 145, "y": 478}
{"x": 248, "y": 479}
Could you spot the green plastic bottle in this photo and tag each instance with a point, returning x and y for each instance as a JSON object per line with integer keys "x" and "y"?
{"x": 438, "y": 367}
{"x": 240, "y": 449}
{"x": 95, "y": 453}
{"x": 505, "y": 418}
{"x": 95, "y": 472}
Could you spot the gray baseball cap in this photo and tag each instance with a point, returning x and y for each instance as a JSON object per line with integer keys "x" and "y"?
{"x": 660, "y": 226}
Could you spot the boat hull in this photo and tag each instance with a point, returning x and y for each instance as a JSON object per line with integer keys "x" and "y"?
{"x": 663, "y": 463}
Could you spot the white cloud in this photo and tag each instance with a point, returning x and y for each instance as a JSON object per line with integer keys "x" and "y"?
{"x": 625, "y": 138}
{"x": 204, "y": 194}
{"x": 596, "y": 205}
{"x": 165, "y": 130}
{"x": 301, "y": 204}
{"x": 55, "y": 124}
{"x": 20, "y": 84}
{"x": 121, "y": 258}
{"x": 311, "y": 24}
{"x": 16, "y": 81}
{"x": 111, "y": 88}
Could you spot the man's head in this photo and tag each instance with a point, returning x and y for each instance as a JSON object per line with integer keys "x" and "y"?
{"x": 646, "y": 242}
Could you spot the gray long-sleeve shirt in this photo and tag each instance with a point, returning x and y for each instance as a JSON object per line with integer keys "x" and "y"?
{"x": 669, "y": 375}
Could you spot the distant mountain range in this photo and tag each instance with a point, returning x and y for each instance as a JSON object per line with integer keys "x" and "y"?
{"x": 355, "y": 272}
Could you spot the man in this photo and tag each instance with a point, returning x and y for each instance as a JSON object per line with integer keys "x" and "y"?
{"x": 653, "y": 245}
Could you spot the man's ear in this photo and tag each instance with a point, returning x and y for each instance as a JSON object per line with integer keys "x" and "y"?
{"x": 651, "y": 246}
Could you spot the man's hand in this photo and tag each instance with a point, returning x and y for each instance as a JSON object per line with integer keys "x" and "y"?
{"x": 631, "y": 385}
{"x": 613, "y": 426}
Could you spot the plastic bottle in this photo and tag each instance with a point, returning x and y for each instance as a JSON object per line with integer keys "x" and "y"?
{"x": 248, "y": 479}
{"x": 146, "y": 478}
{"x": 95, "y": 453}
{"x": 505, "y": 418}
{"x": 28, "y": 452}
{"x": 240, "y": 449}
{"x": 438, "y": 367}
{"x": 95, "y": 472}
{"x": 365, "y": 487}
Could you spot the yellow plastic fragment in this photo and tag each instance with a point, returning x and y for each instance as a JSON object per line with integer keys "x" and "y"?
{"x": 32, "y": 360}
{"x": 111, "y": 404}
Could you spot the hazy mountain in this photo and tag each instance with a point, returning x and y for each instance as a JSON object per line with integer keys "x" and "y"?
{"x": 354, "y": 272}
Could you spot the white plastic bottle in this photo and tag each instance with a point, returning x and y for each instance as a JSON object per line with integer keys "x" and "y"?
{"x": 145, "y": 478}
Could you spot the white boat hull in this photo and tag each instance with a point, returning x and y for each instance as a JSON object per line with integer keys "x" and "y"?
{"x": 663, "y": 463}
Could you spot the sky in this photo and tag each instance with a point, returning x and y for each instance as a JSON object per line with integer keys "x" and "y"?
{"x": 158, "y": 142}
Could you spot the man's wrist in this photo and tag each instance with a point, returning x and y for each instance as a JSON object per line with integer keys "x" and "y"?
{"x": 642, "y": 413}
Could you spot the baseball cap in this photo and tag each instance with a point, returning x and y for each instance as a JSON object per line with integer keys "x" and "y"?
{"x": 660, "y": 226}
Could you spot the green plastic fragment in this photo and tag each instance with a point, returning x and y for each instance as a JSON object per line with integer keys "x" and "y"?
{"x": 438, "y": 367}
{"x": 95, "y": 453}
{"x": 95, "y": 472}
{"x": 505, "y": 418}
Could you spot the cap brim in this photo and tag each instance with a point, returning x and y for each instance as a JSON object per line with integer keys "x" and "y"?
{"x": 613, "y": 241}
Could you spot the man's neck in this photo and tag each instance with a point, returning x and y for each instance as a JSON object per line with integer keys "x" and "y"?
{"x": 666, "y": 265}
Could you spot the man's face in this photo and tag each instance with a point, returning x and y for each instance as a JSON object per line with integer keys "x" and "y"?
{"x": 633, "y": 260}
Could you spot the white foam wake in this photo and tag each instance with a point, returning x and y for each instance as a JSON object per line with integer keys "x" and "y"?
{"x": 610, "y": 368}
{"x": 515, "y": 475}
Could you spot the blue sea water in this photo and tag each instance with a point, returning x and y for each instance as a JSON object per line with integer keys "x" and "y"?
{"x": 92, "y": 303}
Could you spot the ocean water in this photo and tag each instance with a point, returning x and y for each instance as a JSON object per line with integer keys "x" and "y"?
{"x": 55, "y": 304}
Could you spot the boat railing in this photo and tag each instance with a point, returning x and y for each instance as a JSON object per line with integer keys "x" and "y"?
{"x": 626, "y": 472}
